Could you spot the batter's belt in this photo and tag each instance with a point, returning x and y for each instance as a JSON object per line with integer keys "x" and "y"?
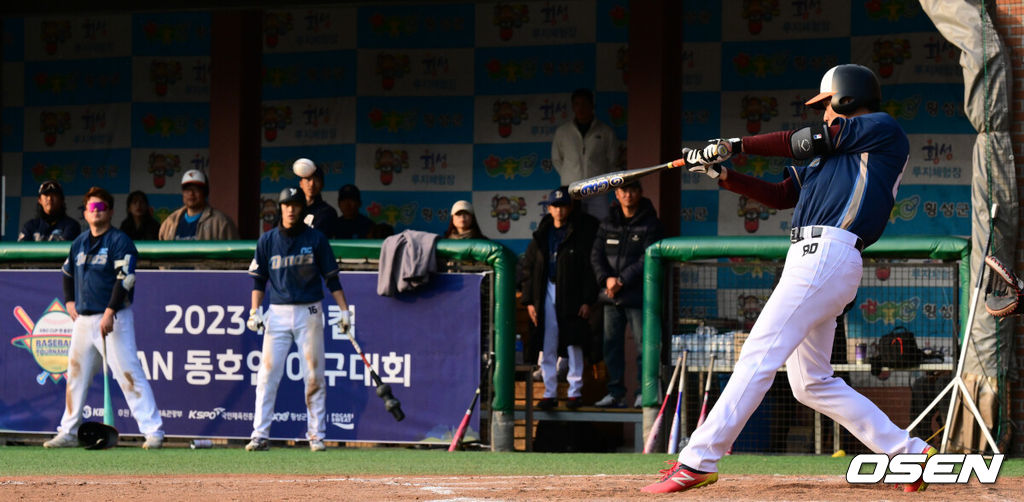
{"x": 797, "y": 234}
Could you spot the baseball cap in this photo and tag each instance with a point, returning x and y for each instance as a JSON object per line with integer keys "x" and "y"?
{"x": 462, "y": 205}
{"x": 558, "y": 197}
{"x": 291, "y": 195}
{"x": 349, "y": 191}
{"x": 193, "y": 176}
{"x": 51, "y": 186}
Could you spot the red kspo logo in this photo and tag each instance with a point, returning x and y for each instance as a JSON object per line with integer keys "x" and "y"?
{"x": 910, "y": 467}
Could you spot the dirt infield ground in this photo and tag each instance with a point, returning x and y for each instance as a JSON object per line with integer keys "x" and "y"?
{"x": 473, "y": 488}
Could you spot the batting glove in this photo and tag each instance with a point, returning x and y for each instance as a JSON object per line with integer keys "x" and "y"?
{"x": 345, "y": 321}
{"x": 712, "y": 170}
{"x": 256, "y": 320}
{"x": 716, "y": 152}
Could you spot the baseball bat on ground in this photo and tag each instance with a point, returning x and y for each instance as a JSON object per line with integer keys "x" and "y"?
{"x": 108, "y": 406}
{"x": 656, "y": 426}
{"x": 457, "y": 438}
{"x": 94, "y": 435}
{"x": 673, "y": 437}
{"x": 383, "y": 390}
{"x": 707, "y": 390}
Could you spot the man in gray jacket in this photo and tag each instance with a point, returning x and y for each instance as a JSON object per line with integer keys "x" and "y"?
{"x": 585, "y": 147}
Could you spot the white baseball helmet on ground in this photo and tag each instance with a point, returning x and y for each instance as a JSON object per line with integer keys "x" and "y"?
{"x": 303, "y": 168}
{"x": 193, "y": 176}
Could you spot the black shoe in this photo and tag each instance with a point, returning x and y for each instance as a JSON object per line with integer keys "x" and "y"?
{"x": 546, "y": 404}
{"x": 573, "y": 402}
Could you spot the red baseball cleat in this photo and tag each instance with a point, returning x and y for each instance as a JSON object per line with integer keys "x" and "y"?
{"x": 678, "y": 478}
{"x": 920, "y": 485}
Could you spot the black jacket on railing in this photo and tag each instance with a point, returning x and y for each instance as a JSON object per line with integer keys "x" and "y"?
{"x": 619, "y": 251}
{"x": 574, "y": 280}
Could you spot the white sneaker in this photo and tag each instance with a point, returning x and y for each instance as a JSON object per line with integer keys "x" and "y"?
{"x": 62, "y": 441}
{"x": 258, "y": 444}
{"x": 639, "y": 403}
{"x": 317, "y": 445}
{"x": 610, "y": 401}
{"x": 153, "y": 443}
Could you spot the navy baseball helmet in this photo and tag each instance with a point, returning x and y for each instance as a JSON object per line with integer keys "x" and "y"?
{"x": 292, "y": 195}
{"x": 848, "y": 87}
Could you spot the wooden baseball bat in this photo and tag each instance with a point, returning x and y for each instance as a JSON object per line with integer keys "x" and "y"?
{"x": 656, "y": 426}
{"x": 457, "y": 438}
{"x": 707, "y": 390}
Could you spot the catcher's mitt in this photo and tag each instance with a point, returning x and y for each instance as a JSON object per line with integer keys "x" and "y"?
{"x": 1004, "y": 290}
{"x": 97, "y": 436}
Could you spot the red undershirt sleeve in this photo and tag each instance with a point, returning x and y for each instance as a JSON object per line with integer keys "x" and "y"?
{"x": 781, "y": 195}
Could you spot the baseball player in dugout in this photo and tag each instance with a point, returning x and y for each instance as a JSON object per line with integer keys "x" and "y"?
{"x": 842, "y": 199}
{"x": 99, "y": 279}
{"x": 292, "y": 259}
{"x": 319, "y": 214}
{"x": 51, "y": 222}
{"x": 558, "y": 289}
{"x": 197, "y": 220}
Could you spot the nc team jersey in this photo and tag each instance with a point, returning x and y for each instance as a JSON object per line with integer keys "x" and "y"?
{"x": 94, "y": 268}
{"x": 855, "y": 187}
{"x": 294, "y": 266}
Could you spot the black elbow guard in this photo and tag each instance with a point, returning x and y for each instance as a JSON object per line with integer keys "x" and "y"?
{"x": 810, "y": 142}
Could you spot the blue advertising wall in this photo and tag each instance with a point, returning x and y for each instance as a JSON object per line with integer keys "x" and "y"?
{"x": 423, "y": 105}
{"x": 202, "y": 361}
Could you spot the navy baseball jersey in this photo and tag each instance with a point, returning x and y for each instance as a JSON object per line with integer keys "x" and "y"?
{"x": 94, "y": 264}
{"x": 294, "y": 265}
{"x": 855, "y": 187}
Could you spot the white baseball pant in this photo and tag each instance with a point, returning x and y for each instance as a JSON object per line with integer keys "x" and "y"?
{"x": 797, "y": 327}
{"x": 85, "y": 358}
{"x": 549, "y": 357}
{"x": 304, "y": 325}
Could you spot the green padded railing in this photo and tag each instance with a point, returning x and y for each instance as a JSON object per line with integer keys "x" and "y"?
{"x": 768, "y": 248}
{"x": 497, "y": 256}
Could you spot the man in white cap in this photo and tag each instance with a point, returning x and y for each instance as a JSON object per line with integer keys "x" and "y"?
{"x": 196, "y": 220}
{"x": 319, "y": 214}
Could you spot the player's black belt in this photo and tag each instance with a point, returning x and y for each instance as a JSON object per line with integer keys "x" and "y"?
{"x": 797, "y": 234}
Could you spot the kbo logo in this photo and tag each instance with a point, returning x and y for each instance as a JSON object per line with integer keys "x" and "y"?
{"x": 909, "y": 467}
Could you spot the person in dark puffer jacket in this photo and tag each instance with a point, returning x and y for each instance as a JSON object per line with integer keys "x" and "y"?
{"x": 618, "y": 261}
{"x": 558, "y": 290}
{"x": 51, "y": 222}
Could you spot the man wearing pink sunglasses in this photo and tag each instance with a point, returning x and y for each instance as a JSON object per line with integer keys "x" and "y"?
{"x": 99, "y": 280}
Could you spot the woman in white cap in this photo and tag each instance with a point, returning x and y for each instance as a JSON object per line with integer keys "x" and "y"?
{"x": 462, "y": 224}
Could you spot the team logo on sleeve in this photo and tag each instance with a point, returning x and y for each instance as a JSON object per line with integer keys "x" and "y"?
{"x": 47, "y": 339}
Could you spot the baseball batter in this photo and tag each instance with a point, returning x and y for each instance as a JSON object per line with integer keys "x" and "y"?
{"x": 99, "y": 279}
{"x": 842, "y": 200}
{"x": 292, "y": 258}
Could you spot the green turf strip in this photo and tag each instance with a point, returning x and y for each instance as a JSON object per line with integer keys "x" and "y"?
{"x": 35, "y": 460}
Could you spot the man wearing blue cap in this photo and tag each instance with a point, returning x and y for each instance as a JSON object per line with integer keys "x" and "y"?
{"x": 558, "y": 289}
